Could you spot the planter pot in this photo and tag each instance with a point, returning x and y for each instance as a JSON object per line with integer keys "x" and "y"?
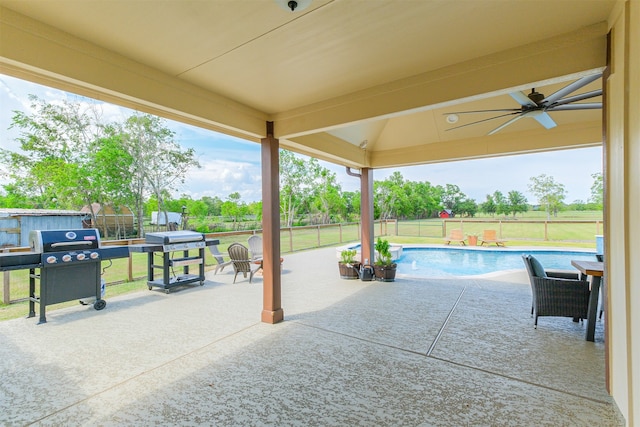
{"x": 349, "y": 271}
{"x": 473, "y": 240}
{"x": 385, "y": 273}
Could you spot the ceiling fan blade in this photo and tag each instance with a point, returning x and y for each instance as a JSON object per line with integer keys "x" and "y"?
{"x": 483, "y": 120}
{"x": 504, "y": 125}
{"x": 569, "y": 88}
{"x": 572, "y": 107}
{"x": 545, "y": 120}
{"x": 523, "y": 99}
{"x": 580, "y": 97}
{"x": 484, "y": 111}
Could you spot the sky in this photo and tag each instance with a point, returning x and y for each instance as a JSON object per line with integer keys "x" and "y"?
{"x": 231, "y": 164}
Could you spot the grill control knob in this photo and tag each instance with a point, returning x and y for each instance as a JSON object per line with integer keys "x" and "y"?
{"x": 51, "y": 260}
{"x": 66, "y": 258}
{"x": 94, "y": 255}
{"x": 81, "y": 257}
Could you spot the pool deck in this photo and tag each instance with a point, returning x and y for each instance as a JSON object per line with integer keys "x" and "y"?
{"x": 454, "y": 352}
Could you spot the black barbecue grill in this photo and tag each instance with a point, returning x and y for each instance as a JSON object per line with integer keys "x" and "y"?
{"x": 69, "y": 263}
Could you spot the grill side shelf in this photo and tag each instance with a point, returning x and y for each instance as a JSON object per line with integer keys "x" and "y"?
{"x": 19, "y": 261}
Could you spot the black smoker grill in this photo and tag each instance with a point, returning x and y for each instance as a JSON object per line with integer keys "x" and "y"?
{"x": 166, "y": 245}
{"x": 69, "y": 262}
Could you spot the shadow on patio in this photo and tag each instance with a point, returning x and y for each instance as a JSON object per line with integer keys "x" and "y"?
{"x": 411, "y": 352}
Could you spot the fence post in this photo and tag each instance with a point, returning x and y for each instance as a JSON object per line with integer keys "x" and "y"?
{"x": 546, "y": 230}
{"x": 130, "y": 267}
{"x": 500, "y": 227}
{"x": 597, "y": 227}
{"x": 290, "y": 239}
{"x": 6, "y": 296}
{"x": 318, "y": 228}
{"x": 340, "y": 227}
{"x": 396, "y": 220}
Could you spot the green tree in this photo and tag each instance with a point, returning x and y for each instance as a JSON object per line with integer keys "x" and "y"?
{"x": 328, "y": 201}
{"x": 549, "y": 193}
{"x": 351, "y": 205}
{"x": 467, "y": 207}
{"x": 234, "y": 208}
{"x": 489, "y": 206}
{"x": 54, "y": 167}
{"x": 502, "y": 204}
{"x": 452, "y": 198}
{"x": 423, "y": 199}
{"x": 597, "y": 190}
{"x": 213, "y": 205}
{"x": 517, "y": 202}
{"x": 159, "y": 163}
{"x": 296, "y": 185}
{"x": 255, "y": 209}
{"x": 390, "y": 199}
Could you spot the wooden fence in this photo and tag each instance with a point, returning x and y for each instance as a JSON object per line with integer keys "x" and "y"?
{"x": 292, "y": 239}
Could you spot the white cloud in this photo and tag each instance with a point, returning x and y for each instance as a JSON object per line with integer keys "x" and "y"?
{"x": 219, "y": 178}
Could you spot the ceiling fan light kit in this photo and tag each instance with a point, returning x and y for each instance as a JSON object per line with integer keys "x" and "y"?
{"x": 535, "y": 105}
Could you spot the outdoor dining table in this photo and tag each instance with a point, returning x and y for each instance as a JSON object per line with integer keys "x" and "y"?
{"x": 595, "y": 269}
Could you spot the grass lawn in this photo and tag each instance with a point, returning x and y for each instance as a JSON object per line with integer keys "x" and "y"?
{"x": 21, "y": 309}
{"x": 517, "y": 232}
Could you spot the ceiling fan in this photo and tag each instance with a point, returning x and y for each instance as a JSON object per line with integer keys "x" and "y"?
{"x": 536, "y": 105}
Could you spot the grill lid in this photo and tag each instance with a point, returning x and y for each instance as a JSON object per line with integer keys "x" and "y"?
{"x": 43, "y": 241}
{"x": 168, "y": 237}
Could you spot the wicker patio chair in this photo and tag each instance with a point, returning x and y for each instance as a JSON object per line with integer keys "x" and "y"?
{"x": 239, "y": 255}
{"x": 556, "y": 296}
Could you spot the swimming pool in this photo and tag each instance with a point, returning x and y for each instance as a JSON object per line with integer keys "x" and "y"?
{"x": 443, "y": 262}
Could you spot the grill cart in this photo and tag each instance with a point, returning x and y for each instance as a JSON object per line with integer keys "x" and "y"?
{"x": 173, "y": 248}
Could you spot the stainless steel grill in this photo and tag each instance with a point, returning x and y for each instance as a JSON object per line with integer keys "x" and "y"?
{"x": 168, "y": 245}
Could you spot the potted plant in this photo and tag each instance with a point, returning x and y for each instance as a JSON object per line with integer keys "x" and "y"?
{"x": 473, "y": 239}
{"x": 348, "y": 265}
{"x": 384, "y": 267}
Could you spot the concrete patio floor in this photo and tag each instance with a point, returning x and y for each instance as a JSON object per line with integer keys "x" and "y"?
{"x": 414, "y": 352}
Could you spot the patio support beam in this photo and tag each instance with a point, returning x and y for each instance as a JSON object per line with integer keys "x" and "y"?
{"x": 271, "y": 292}
{"x": 366, "y": 214}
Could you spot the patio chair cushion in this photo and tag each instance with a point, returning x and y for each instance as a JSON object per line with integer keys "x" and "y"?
{"x": 538, "y": 269}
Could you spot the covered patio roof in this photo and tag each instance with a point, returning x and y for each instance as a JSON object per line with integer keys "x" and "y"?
{"x": 334, "y": 77}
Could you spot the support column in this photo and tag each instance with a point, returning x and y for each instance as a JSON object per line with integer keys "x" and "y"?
{"x": 271, "y": 292}
{"x": 366, "y": 214}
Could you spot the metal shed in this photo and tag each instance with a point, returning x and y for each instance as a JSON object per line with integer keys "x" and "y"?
{"x": 15, "y": 224}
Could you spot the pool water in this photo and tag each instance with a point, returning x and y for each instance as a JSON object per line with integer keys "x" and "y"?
{"x": 439, "y": 262}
